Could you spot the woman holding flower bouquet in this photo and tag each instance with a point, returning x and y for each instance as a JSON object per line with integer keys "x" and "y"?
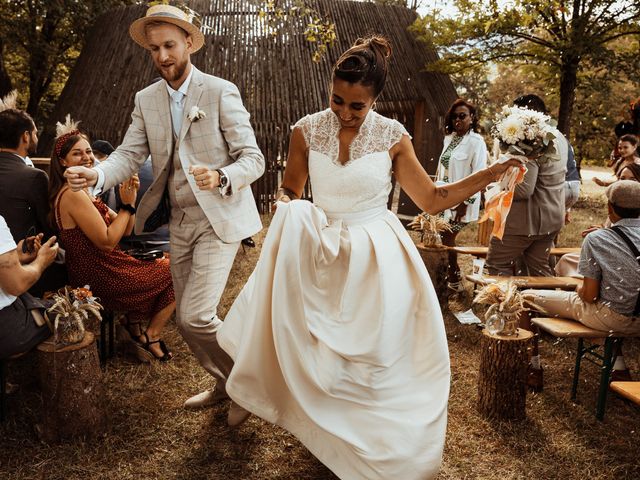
{"x": 338, "y": 335}
{"x": 90, "y": 232}
{"x": 464, "y": 153}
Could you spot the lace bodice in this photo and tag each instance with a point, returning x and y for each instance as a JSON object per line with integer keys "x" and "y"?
{"x": 364, "y": 181}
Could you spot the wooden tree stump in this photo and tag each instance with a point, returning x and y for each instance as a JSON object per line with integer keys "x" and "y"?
{"x": 436, "y": 259}
{"x": 72, "y": 391}
{"x": 502, "y": 383}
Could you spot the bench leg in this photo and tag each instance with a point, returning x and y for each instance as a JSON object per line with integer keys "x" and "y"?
{"x": 102, "y": 343}
{"x": 607, "y": 365}
{"x": 112, "y": 336}
{"x": 3, "y": 390}
{"x": 576, "y": 371}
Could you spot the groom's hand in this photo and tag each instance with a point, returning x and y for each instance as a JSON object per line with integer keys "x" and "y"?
{"x": 205, "y": 178}
{"x": 80, "y": 177}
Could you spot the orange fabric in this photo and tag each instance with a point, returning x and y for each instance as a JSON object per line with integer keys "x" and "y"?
{"x": 497, "y": 207}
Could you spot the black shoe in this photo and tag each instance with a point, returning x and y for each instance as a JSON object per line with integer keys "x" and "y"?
{"x": 145, "y": 353}
{"x": 621, "y": 375}
{"x": 248, "y": 242}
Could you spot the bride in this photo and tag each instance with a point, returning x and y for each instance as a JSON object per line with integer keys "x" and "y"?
{"x": 337, "y": 335}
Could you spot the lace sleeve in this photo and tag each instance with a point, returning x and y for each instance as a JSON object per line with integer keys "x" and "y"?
{"x": 396, "y": 131}
{"x": 304, "y": 124}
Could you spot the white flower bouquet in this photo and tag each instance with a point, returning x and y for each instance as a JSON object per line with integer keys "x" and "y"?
{"x": 525, "y": 133}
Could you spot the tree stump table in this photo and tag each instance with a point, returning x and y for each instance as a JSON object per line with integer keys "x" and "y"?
{"x": 436, "y": 259}
{"x": 72, "y": 390}
{"x": 502, "y": 382}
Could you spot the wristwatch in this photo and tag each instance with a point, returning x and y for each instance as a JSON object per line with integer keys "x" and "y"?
{"x": 224, "y": 180}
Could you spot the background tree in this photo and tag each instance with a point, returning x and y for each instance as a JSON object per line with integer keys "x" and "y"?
{"x": 561, "y": 36}
{"x": 40, "y": 41}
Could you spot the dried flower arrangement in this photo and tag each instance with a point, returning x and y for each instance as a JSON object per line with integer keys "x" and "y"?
{"x": 505, "y": 304}
{"x": 70, "y": 310}
{"x": 430, "y": 227}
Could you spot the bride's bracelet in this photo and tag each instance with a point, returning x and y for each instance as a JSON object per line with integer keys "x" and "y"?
{"x": 282, "y": 191}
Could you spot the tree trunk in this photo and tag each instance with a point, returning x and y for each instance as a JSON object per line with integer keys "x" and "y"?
{"x": 502, "y": 380}
{"x": 72, "y": 391}
{"x": 568, "y": 85}
{"x": 436, "y": 259}
{"x": 5, "y": 80}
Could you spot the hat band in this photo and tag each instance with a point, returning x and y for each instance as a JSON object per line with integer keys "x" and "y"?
{"x": 168, "y": 14}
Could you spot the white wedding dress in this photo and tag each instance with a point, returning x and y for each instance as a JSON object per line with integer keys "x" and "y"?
{"x": 338, "y": 335}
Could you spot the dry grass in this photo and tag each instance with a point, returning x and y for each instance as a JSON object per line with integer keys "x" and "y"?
{"x": 151, "y": 437}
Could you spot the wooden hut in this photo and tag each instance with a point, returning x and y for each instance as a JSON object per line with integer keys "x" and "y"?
{"x": 276, "y": 76}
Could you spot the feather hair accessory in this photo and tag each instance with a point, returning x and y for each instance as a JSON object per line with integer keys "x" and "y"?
{"x": 64, "y": 131}
{"x": 9, "y": 101}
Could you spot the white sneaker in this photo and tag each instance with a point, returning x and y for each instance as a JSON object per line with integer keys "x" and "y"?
{"x": 205, "y": 399}
{"x": 237, "y": 415}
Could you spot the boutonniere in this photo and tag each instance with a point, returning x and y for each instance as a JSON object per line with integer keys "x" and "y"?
{"x": 196, "y": 114}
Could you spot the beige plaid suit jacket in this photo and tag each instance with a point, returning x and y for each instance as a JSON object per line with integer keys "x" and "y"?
{"x": 223, "y": 139}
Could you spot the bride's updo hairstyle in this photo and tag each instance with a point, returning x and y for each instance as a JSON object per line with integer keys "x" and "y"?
{"x": 366, "y": 62}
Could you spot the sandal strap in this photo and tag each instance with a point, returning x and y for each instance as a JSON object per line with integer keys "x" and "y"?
{"x": 163, "y": 347}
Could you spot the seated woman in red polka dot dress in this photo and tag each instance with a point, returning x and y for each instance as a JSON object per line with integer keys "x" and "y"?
{"x": 89, "y": 232}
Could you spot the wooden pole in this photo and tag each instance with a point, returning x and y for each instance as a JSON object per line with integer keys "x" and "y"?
{"x": 502, "y": 381}
{"x": 72, "y": 391}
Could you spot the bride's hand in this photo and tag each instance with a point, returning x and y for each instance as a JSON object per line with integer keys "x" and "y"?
{"x": 283, "y": 199}
{"x": 497, "y": 169}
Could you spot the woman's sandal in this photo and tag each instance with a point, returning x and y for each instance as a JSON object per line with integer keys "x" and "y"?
{"x": 144, "y": 352}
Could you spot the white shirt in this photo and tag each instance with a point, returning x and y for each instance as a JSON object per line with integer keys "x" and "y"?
{"x": 468, "y": 157}
{"x": 182, "y": 88}
{"x": 6, "y": 245}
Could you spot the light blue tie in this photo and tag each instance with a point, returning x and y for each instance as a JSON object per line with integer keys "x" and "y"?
{"x": 177, "y": 109}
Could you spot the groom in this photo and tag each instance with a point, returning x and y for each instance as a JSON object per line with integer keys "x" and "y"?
{"x": 205, "y": 157}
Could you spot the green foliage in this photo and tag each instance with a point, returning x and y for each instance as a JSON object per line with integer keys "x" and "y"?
{"x": 281, "y": 15}
{"x": 41, "y": 40}
{"x": 560, "y": 37}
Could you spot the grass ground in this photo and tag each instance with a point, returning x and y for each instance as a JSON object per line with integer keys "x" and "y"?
{"x": 151, "y": 437}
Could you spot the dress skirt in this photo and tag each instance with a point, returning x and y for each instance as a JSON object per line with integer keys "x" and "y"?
{"x": 338, "y": 337}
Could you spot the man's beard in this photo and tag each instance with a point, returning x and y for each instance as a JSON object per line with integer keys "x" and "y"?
{"x": 32, "y": 148}
{"x": 178, "y": 68}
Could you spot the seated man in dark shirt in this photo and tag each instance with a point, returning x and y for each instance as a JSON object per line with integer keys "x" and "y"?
{"x": 158, "y": 240}
{"x": 23, "y": 189}
{"x": 24, "y": 202}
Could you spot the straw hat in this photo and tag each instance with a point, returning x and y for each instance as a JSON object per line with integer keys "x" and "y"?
{"x": 188, "y": 21}
{"x": 624, "y": 193}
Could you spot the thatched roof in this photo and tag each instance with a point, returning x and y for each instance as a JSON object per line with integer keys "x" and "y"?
{"x": 276, "y": 76}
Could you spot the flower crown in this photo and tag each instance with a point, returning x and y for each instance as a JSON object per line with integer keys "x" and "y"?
{"x": 9, "y": 101}
{"x": 64, "y": 132}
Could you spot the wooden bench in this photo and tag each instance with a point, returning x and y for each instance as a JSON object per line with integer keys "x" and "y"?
{"x": 609, "y": 341}
{"x": 628, "y": 390}
{"x": 523, "y": 282}
{"x": 481, "y": 252}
